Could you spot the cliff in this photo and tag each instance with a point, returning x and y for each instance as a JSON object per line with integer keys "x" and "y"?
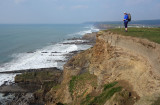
{"x": 117, "y": 70}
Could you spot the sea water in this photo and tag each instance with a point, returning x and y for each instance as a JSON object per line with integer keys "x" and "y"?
{"x": 33, "y": 46}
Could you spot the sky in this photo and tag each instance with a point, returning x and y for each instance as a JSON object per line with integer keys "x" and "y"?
{"x": 75, "y": 11}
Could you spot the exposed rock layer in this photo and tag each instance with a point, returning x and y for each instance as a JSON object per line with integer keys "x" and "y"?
{"x": 120, "y": 58}
{"x": 132, "y": 62}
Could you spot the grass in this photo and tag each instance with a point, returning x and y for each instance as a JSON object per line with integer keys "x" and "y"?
{"x": 81, "y": 81}
{"x": 102, "y": 98}
{"x": 108, "y": 91}
{"x": 107, "y": 86}
{"x": 87, "y": 100}
{"x": 36, "y": 77}
{"x": 72, "y": 84}
{"x": 157, "y": 102}
{"x": 152, "y": 34}
{"x": 56, "y": 87}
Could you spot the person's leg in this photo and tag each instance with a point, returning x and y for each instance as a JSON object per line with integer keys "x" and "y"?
{"x": 126, "y": 27}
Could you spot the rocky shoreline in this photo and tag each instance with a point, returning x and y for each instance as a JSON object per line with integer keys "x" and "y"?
{"x": 23, "y": 91}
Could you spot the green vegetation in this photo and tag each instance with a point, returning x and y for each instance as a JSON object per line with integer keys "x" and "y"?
{"x": 56, "y": 87}
{"x": 107, "y": 86}
{"x": 157, "y": 102}
{"x": 37, "y": 77}
{"x": 72, "y": 84}
{"x": 102, "y": 98}
{"x": 87, "y": 100}
{"x": 152, "y": 34}
{"x": 108, "y": 91}
{"x": 82, "y": 80}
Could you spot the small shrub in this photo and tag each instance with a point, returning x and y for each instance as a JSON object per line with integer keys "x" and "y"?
{"x": 87, "y": 100}
{"x": 71, "y": 84}
{"x": 107, "y": 86}
{"x": 81, "y": 81}
{"x": 108, "y": 91}
{"x": 157, "y": 102}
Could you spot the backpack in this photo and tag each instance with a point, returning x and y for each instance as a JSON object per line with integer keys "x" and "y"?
{"x": 129, "y": 17}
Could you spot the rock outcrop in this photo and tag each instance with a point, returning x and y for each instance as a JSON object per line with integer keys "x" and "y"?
{"x": 132, "y": 61}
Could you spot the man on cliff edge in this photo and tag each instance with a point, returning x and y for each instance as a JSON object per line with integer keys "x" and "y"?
{"x": 125, "y": 21}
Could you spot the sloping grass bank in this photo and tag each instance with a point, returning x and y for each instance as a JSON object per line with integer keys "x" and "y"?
{"x": 117, "y": 93}
{"x": 152, "y": 34}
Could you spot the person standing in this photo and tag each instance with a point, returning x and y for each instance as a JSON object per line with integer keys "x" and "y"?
{"x": 125, "y": 21}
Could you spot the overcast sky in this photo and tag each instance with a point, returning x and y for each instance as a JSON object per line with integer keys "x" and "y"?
{"x": 75, "y": 11}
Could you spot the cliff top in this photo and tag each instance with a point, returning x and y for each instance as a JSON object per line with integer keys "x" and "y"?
{"x": 152, "y": 34}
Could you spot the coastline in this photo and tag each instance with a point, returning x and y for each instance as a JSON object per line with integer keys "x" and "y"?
{"x": 87, "y": 39}
{"x": 52, "y": 55}
{"x": 111, "y": 68}
{"x": 16, "y": 90}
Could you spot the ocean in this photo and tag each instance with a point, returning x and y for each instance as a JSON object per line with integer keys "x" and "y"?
{"x": 33, "y": 46}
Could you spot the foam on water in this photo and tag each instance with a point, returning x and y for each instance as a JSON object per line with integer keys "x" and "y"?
{"x": 89, "y": 30}
{"x": 5, "y": 99}
{"x": 50, "y": 56}
{"x": 8, "y": 78}
{"x": 42, "y": 58}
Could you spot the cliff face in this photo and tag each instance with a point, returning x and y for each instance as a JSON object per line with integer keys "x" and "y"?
{"x": 136, "y": 61}
{"x": 118, "y": 70}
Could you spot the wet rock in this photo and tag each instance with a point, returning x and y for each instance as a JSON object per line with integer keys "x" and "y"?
{"x": 22, "y": 99}
{"x": 55, "y": 52}
{"x": 11, "y": 89}
{"x": 44, "y": 52}
{"x": 75, "y": 38}
{"x": 30, "y": 52}
{"x": 60, "y": 61}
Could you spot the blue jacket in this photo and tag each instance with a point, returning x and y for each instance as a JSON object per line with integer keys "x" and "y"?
{"x": 126, "y": 17}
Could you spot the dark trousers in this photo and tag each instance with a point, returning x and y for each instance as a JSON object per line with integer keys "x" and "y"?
{"x": 125, "y": 24}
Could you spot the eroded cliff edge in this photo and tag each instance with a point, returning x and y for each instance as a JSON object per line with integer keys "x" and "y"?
{"x": 117, "y": 70}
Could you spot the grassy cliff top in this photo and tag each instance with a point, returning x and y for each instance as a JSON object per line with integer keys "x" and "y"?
{"x": 152, "y": 34}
